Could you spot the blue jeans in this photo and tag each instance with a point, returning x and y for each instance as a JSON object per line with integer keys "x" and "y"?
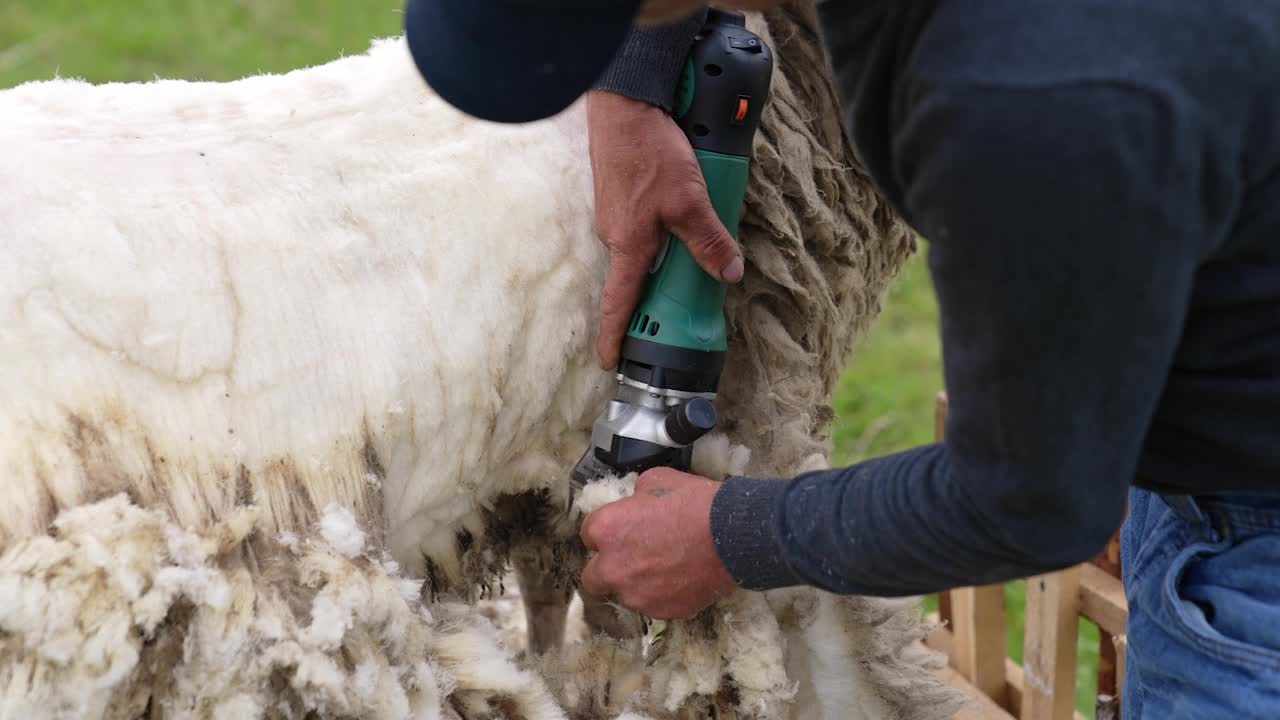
{"x": 1203, "y": 582}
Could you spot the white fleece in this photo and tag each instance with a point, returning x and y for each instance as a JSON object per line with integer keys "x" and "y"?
{"x": 268, "y": 350}
{"x": 299, "y": 273}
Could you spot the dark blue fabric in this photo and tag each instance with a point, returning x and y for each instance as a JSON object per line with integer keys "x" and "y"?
{"x": 1099, "y": 182}
{"x": 514, "y": 61}
{"x": 647, "y": 66}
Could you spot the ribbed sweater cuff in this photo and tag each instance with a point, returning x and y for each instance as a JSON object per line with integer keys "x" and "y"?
{"x": 745, "y": 528}
{"x": 647, "y": 67}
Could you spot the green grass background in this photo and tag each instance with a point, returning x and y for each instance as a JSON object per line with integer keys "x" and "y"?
{"x": 885, "y": 400}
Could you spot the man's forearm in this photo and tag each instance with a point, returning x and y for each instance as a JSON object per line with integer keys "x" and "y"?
{"x": 1063, "y": 255}
{"x": 893, "y": 526}
{"x": 648, "y": 64}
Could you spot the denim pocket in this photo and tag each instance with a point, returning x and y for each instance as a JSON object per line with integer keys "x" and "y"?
{"x": 1225, "y": 597}
{"x": 1149, "y": 539}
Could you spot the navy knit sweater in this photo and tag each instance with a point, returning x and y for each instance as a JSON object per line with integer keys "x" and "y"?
{"x": 1099, "y": 182}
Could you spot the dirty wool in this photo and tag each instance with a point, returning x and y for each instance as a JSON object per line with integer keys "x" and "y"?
{"x": 294, "y": 369}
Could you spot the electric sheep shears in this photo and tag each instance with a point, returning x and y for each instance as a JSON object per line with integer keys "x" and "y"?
{"x": 674, "y": 348}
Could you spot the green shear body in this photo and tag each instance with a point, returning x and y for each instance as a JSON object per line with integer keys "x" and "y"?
{"x": 681, "y": 304}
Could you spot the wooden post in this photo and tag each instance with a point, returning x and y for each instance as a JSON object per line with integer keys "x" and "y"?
{"x": 940, "y": 417}
{"x": 1109, "y": 558}
{"x": 1049, "y": 655}
{"x": 1106, "y": 663}
{"x": 1122, "y": 647}
{"x": 1107, "y": 706}
{"x": 979, "y": 650}
{"x": 1108, "y": 697}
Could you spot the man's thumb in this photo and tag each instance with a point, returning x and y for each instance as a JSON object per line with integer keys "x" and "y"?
{"x": 698, "y": 227}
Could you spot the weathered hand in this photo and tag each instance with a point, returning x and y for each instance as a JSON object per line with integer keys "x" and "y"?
{"x": 647, "y": 183}
{"x": 653, "y": 551}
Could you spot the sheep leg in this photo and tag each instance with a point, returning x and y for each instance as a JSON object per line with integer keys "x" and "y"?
{"x": 546, "y": 599}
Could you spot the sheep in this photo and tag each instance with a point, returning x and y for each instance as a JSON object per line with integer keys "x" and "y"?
{"x": 296, "y": 366}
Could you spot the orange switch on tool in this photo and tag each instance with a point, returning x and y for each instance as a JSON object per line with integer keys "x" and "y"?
{"x": 741, "y": 115}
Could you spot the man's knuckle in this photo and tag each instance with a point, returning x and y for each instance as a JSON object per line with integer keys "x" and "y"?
{"x": 614, "y": 304}
{"x": 588, "y": 531}
{"x": 613, "y": 575}
{"x": 614, "y": 290}
{"x": 610, "y": 310}
{"x": 711, "y": 241}
{"x": 599, "y": 525}
{"x": 717, "y": 243}
{"x": 648, "y": 479}
{"x": 591, "y": 581}
{"x": 606, "y": 524}
{"x": 686, "y": 207}
{"x": 629, "y": 262}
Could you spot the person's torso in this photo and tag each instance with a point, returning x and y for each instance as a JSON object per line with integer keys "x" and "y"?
{"x": 1217, "y": 425}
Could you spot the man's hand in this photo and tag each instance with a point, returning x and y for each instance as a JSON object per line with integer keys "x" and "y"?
{"x": 647, "y": 183}
{"x": 653, "y": 551}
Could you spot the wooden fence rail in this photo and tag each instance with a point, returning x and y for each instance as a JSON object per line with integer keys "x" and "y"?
{"x": 1044, "y": 686}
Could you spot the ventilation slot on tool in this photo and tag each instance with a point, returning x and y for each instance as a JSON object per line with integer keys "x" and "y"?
{"x": 644, "y": 323}
{"x": 653, "y": 329}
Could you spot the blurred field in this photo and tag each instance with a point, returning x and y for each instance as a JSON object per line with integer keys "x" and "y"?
{"x": 885, "y": 401}
{"x": 194, "y": 39}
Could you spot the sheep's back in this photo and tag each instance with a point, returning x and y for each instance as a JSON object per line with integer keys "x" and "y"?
{"x": 324, "y": 286}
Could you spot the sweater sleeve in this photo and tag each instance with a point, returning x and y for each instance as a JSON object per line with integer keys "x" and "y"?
{"x": 1065, "y": 224}
{"x": 647, "y": 66}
